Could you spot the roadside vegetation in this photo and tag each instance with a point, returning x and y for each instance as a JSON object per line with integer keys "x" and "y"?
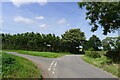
{"x": 42, "y": 54}
{"x": 71, "y": 42}
{"x": 18, "y": 67}
{"x": 104, "y": 53}
{"x": 101, "y": 60}
{"x": 103, "y": 15}
{"x": 31, "y": 41}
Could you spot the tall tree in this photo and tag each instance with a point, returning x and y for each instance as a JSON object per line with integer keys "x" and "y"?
{"x": 31, "y": 41}
{"x": 87, "y": 45}
{"x": 94, "y": 43}
{"x": 106, "y": 14}
{"x": 72, "y": 39}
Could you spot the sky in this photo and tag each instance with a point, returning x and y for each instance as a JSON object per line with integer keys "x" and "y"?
{"x": 45, "y": 18}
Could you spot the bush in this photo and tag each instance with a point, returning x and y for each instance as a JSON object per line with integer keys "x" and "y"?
{"x": 7, "y": 60}
{"x": 88, "y": 53}
{"x": 93, "y": 54}
{"x": 82, "y": 52}
{"x": 17, "y": 67}
{"x": 113, "y": 55}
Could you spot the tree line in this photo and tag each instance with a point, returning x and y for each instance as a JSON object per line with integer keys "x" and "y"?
{"x": 71, "y": 41}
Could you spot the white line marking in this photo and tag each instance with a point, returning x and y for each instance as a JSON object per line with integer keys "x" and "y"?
{"x": 50, "y": 66}
{"x": 52, "y": 62}
{"x": 54, "y": 67}
{"x": 55, "y": 64}
{"x": 53, "y": 72}
{"x": 49, "y": 69}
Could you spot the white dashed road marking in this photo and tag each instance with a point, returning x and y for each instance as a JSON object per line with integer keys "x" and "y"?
{"x": 53, "y": 72}
{"x": 55, "y": 64}
{"x": 51, "y": 66}
{"x": 54, "y": 67}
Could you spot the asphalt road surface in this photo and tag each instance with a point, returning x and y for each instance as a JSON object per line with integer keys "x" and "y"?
{"x": 69, "y": 66}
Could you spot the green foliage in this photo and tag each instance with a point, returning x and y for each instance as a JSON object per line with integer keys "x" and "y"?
{"x": 42, "y": 54}
{"x": 31, "y": 41}
{"x": 18, "y": 67}
{"x": 113, "y": 68}
{"x": 43, "y": 42}
{"x": 97, "y": 61}
{"x": 106, "y": 14}
{"x": 92, "y": 44}
{"x": 72, "y": 39}
{"x": 110, "y": 43}
{"x": 81, "y": 52}
{"x": 104, "y": 63}
{"x": 8, "y": 60}
{"x": 113, "y": 55}
{"x": 93, "y": 54}
{"x": 70, "y": 42}
{"x": 88, "y": 53}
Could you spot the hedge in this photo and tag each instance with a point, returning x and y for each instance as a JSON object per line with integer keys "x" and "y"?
{"x": 94, "y": 54}
{"x": 113, "y": 55}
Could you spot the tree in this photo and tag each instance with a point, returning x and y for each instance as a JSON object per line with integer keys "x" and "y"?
{"x": 110, "y": 43}
{"x": 32, "y": 41}
{"x": 106, "y": 14}
{"x": 94, "y": 43}
{"x": 72, "y": 39}
{"x": 106, "y": 45}
{"x": 86, "y": 45}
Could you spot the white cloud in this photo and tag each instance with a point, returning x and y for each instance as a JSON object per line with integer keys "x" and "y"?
{"x": 43, "y": 3}
{"x": 19, "y": 3}
{"x": 68, "y": 24}
{"x": 23, "y": 20}
{"x": 40, "y": 17}
{"x": 43, "y": 26}
{"x": 62, "y": 21}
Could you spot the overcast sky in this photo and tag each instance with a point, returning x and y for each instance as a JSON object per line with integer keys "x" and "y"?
{"x": 48, "y": 17}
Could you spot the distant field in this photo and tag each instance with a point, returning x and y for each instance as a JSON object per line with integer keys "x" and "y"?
{"x": 42, "y": 54}
{"x": 18, "y": 67}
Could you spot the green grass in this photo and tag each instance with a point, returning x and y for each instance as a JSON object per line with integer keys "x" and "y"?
{"x": 18, "y": 67}
{"x": 103, "y": 63}
{"x": 42, "y": 54}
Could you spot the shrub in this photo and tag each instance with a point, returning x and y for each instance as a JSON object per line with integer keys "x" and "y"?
{"x": 93, "y": 54}
{"x": 113, "y": 55}
{"x": 8, "y": 60}
{"x": 82, "y": 52}
{"x": 88, "y": 53}
{"x": 17, "y": 67}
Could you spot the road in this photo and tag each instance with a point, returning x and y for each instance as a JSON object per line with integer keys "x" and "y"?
{"x": 69, "y": 66}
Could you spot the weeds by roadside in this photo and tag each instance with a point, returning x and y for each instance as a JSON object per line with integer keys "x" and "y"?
{"x": 18, "y": 67}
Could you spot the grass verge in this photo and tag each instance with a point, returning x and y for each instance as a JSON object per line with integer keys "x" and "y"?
{"x": 42, "y": 54}
{"x": 18, "y": 67}
{"x": 104, "y": 63}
